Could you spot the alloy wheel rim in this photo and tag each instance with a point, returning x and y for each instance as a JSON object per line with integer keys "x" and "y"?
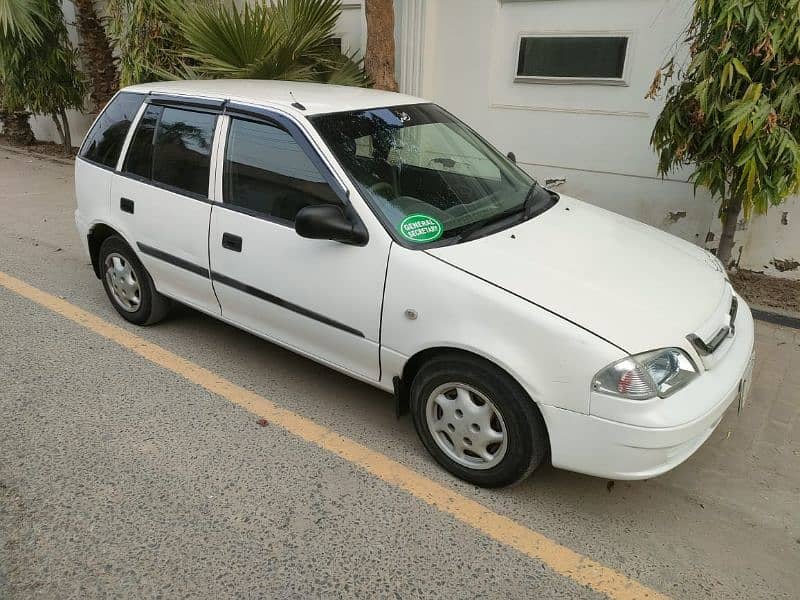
{"x": 123, "y": 282}
{"x": 466, "y": 426}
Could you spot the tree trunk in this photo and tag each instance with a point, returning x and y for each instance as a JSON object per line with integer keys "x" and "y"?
{"x": 17, "y": 128}
{"x": 67, "y": 133}
{"x": 60, "y": 129}
{"x": 730, "y": 220}
{"x": 96, "y": 49}
{"x": 379, "y": 61}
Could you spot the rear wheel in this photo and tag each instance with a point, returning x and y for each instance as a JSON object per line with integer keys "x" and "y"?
{"x": 128, "y": 284}
{"x": 476, "y": 421}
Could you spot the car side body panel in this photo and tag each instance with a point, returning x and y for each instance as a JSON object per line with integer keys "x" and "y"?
{"x": 169, "y": 232}
{"x": 92, "y": 189}
{"x": 552, "y": 359}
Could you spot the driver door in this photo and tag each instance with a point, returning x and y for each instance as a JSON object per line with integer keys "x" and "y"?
{"x": 318, "y": 297}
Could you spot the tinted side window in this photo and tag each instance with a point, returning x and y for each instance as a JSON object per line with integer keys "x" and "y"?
{"x": 139, "y": 159}
{"x": 182, "y": 152}
{"x": 105, "y": 140}
{"x": 266, "y": 171}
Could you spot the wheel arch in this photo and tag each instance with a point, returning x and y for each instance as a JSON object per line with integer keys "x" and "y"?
{"x": 417, "y": 360}
{"x": 98, "y": 233}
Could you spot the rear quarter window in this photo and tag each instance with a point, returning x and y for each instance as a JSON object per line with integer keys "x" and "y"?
{"x": 104, "y": 142}
{"x": 172, "y": 147}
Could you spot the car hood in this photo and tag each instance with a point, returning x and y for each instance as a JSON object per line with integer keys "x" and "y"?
{"x": 632, "y": 284}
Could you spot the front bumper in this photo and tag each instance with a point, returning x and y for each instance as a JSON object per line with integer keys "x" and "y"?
{"x": 618, "y": 450}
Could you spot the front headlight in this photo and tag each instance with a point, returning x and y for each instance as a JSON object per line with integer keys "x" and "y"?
{"x": 644, "y": 376}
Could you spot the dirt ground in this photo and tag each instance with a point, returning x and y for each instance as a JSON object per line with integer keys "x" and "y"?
{"x": 48, "y": 148}
{"x": 758, "y": 288}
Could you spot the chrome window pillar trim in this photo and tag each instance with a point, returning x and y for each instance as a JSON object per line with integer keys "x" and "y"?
{"x": 129, "y": 136}
{"x": 217, "y": 157}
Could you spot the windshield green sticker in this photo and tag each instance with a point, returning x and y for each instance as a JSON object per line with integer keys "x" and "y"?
{"x": 421, "y": 228}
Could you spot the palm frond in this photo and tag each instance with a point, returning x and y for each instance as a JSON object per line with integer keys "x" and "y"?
{"x": 346, "y": 70}
{"x": 20, "y": 19}
{"x": 290, "y": 40}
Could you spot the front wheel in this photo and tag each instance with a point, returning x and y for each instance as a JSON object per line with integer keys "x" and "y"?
{"x": 476, "y": 421}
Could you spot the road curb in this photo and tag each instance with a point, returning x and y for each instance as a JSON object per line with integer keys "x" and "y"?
{"x": 21, "y": 150}
{"x": 787, "y": 318}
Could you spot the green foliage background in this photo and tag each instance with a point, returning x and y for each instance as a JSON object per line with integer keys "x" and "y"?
{"x": 199, "y": 39}
{"x": 40, "y": 73}
{"x": 734, "y": 111}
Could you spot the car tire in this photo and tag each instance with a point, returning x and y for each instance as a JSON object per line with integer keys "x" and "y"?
{"x": 477, "y": 421}
{"x": 128, "y": 284}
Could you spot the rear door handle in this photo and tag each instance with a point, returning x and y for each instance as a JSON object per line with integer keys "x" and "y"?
{"x": 231, "y": 242}
{"x": 126, "y": 205}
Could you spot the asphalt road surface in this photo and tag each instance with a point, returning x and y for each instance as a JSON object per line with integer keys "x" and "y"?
{"x": 132, "y": 465}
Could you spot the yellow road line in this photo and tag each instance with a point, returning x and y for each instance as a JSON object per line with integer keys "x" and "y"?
{"x": 559, "y": 558}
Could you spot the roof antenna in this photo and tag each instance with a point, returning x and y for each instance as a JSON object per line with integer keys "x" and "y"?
{"x": 296, "y": 104}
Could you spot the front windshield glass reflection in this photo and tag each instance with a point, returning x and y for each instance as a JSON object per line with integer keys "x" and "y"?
{"x": 426, "y": 173}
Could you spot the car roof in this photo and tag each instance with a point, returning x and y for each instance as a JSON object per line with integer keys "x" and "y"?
{"x": 317, "y": 98}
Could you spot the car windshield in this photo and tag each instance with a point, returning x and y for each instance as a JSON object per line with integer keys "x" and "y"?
{"x": 427, "y": 175}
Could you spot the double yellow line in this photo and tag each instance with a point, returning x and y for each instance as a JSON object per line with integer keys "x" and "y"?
{"x": 559, "y": 558}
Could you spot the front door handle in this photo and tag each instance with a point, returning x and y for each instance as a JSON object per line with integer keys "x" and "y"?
{"x": 126, "y": 205}
{"x": 231, "y": 242}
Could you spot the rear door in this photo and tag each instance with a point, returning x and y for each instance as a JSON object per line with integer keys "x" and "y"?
{"x": 319, "y": 297}
{"x": 161, "y": 198}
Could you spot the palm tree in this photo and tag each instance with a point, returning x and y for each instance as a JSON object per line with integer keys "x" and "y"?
{"x": 38, "y": 69}
{"x": 18, "y": 25}
{"x": 191, "y": 39}
{"x": 18, "y": 20}
{"x": 145, "y": 36}
{"x": 379, "y": 62}
{"x": 96, "y": 50}
{"x": 289, "y": 40}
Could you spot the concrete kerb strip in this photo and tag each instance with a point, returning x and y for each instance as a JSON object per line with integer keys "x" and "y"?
{"x": 776, "y": 316}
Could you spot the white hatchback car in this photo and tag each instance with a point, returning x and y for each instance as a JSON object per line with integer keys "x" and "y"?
{"x": 377, "y": 234}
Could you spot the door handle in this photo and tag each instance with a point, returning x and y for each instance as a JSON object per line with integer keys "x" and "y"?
{"x": 231, "y": 242}
{"x": 126, "y": 205}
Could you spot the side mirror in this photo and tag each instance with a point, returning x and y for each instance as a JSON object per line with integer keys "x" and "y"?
{"x": 512, "y": 157}
{"x": 328, "y": 222}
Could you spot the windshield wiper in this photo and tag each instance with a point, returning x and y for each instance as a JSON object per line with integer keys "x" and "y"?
{"x": 538, "y": 200}
{"x": 476, "y": 228}
{"x": 530, "y": 198}
{"x": 528, "y": 208}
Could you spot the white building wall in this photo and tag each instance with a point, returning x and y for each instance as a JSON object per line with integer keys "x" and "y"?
{"x": 595, "y": 136}
{"x": 772, "y": 242}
